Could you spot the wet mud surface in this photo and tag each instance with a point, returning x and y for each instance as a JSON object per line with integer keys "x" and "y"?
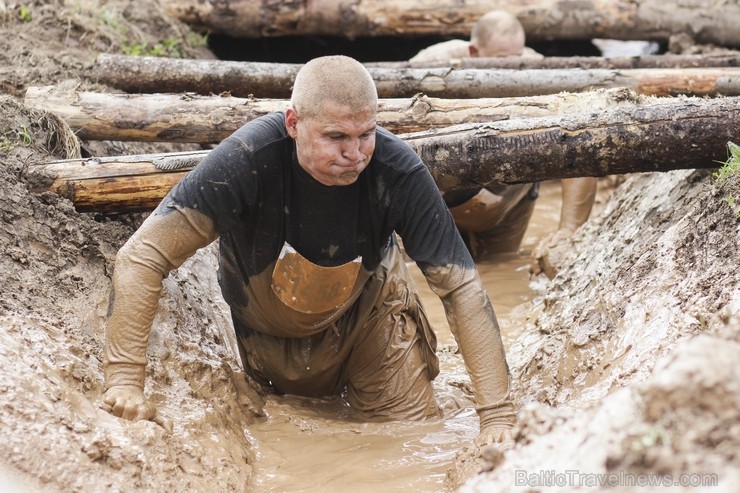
{"x": 623, "y": 365}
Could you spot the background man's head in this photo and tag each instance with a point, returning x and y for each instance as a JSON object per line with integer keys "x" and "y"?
{"x": 497, "y": 33}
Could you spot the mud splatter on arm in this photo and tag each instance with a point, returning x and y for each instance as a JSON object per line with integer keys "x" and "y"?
{"x": 474, "y": 326}
{"x": 163, "y": 242}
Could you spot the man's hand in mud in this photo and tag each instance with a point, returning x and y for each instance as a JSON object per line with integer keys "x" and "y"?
{"x": 128, "y": 402}
{"x": 542, "y": 261}
{"x": 497, "y": 436}
{"x": 492, "y": 443}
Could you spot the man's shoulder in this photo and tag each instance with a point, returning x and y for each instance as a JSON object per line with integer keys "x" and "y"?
{"x": 444, "y": 51}
{"x": 260, "y": 132}
{"x": 394, "y": 153}
{"x": 254, "y": 147}
{"x": 531, "y": 54}
{"x": 395, "y": 165}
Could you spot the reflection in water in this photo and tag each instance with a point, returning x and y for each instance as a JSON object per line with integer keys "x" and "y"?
{"x": 310, "y": 445}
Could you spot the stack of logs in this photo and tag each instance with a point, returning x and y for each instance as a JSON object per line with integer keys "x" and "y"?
{"x": 474, "y": 121}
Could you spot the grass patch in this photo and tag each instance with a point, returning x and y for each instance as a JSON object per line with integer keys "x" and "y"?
{"x": 25, "y": 14}
{"x": 10, "y": 139}
{"x": 113, "y": 27}
{"x": 728, "y": 178}
{"x": 168, "y": 47}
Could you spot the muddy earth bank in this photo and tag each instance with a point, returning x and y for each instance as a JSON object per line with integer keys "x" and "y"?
{"x": 627, "y": 373}
{"x": 626, "y": 366}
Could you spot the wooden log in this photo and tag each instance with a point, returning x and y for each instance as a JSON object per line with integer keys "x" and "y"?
{"x": 652, "y": 138}
{"x": 543, "y": 20}
{"x": 668, "y": 60}
{"x": 150, "y": 117}
{"x": 690, "y": 133}
{"x": 209, "y": 119}
{"x": 114, "y": 184}
{"x": 147, "y": 74}
{"x": 274, "y": 80}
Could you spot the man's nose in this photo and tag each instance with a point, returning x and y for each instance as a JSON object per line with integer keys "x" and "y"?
{"x": 351, "y": 149}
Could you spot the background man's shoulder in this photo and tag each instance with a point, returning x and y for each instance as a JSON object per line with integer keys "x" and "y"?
{"x": 446, "y": 50}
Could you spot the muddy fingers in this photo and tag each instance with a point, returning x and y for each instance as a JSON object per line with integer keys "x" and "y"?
{"x": 129, "y": 402}
{"x": 165, "y": 423}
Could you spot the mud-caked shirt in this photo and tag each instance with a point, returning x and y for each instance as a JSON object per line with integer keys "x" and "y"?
{"x": 253, "y": 189}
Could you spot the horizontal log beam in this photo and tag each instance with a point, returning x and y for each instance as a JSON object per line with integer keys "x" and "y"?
{"x": 210, "y": 119}
{"x": 274, "y": 80}
{"x": 543, "y": 20}
{"x": 668, "y": 60}
{"x": 692, "y": 133}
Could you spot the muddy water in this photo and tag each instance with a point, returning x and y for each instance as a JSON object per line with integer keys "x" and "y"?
{"x": 310, "y": 445}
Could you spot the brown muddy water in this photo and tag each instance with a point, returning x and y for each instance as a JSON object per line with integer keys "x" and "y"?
{"x": 310, "y": 445}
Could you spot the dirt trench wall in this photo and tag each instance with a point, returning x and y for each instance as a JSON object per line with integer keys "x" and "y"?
{"x": 56, "y": 266}
{"x": 676, "y": 431}
{"x": 658, "y": 265}
{"x": 630, "y": 368}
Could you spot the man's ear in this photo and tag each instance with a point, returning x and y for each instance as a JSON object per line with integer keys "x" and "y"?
{"x": 291, "y": 120}
{"x": 473, "y": 50}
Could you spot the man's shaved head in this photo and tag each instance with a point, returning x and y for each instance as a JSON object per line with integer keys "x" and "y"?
{"x": 333, "y": 79}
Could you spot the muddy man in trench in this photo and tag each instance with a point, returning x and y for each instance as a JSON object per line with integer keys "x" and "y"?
{"x": 306, "y": 205}
{"x": 493, "y": 220}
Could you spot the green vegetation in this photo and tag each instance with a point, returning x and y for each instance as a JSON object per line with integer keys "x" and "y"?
{"x": 651, "y": 437}
{"x": 168, "y": 47}
{"x": 119, "y": 30}
{"x": 25, "y": 14}
{"x": 111, "y": 18}
{"x": 197, "y": 40}
{"x": 728, "y": 177}
{"x": 10, "y": 139}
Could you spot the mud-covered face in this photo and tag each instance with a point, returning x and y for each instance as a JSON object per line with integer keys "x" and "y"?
{"x": 335, "y": 146}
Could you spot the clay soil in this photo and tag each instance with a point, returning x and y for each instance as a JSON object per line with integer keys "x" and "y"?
{"x": 626, "y": 368}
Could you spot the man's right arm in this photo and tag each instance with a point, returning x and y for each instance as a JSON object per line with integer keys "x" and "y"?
{"x": 578, "y": 196}
{"x": 163, "y": 242}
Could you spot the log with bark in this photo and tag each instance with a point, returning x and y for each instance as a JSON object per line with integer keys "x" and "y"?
{"x": 668, "y": 60}
{"x": 543, "y": 20}
{"x": 114, "y": 184}
{"x": 274, "y": 80}
{"x": 209, "y": 119}
{"x": 667, "y": 135}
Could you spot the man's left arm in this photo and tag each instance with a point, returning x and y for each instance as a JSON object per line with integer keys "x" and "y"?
{"x": 475, "y": 328}
{"x": 431, "y": 238}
